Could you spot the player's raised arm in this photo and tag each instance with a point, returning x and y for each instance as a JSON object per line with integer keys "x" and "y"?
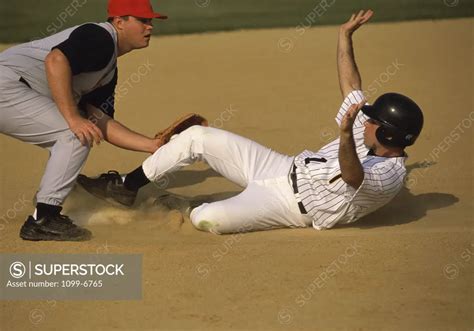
{"x": 352, "y": 171}
{"x": 349, "y": 77}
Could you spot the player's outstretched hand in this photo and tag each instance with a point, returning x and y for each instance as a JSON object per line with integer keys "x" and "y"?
{"x": 86, "y": 131}
{"x": 349, "y": 118}
{"x": 356, "y": 21}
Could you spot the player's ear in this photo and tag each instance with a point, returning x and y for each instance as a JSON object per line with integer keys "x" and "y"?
{"x": 118, "y": 21}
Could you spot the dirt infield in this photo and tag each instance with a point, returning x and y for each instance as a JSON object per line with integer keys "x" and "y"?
{"x": 408, "y": 266}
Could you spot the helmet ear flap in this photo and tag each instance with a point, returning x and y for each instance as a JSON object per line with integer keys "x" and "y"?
{"x": 409, "y": 139}
{"x": 383, "y": 136}
{"x": 393, "y": 137}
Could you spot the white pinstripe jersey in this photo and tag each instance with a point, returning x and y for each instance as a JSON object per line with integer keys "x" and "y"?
{"x": 326, "y": 197}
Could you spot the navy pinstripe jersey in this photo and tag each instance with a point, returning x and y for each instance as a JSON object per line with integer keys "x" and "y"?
{"x": 326, "y": 197}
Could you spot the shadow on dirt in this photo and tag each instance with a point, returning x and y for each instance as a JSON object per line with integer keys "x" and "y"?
{"x": 407, "y": 207}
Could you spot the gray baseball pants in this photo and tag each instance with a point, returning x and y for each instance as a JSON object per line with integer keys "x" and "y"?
{"x": 34, "y": 118}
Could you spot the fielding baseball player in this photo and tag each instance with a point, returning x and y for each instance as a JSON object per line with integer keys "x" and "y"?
{"x": 348, "y": 178}
{"x": 58, "y": 93}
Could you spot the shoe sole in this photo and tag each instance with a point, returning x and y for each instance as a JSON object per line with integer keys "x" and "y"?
{"x": 41, "y": 236}
{"x": 110, "y": 200}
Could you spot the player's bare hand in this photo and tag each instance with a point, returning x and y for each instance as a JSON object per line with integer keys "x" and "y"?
{"x": 86, "y": 131}
{"x": 356, "y": 21}
{"x": 157, "y": 143}
{"x": 349, "y": 118}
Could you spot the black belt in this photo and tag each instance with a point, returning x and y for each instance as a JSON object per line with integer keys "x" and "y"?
{"x": 295, "y": 189}
{"x": 24, "y": 82}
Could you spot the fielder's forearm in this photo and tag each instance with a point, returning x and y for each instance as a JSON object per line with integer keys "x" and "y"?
{"x": 349, "y": 77}
{"x": 59, "y": 75}
{"x": 119, "y": 135}
{"x": 352, "y": 171}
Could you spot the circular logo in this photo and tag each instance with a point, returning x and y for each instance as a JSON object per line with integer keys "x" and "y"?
{"x": 285, "y": 315}
{"x": 451, "y": 3}
{"x": 410, "y": 182}
{"x": 162, "y": 183}
{"x": 17, "y": 269}
{"x": 285, "y": 45}
{"x": 451, "y": 271}
{"x": 36, "y": 316}
{"x": 203, "y": 269}
{"x": 202, "y": 3}
{"x": 327, "y": 134}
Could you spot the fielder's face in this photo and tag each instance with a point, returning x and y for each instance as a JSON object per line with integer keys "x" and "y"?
{"x": 137, "y": 31}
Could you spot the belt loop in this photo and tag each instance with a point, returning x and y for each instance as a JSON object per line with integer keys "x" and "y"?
{"x": 302, "y": 208}
{"x": 294, "y": 184}
{"x": 317, "y": 159}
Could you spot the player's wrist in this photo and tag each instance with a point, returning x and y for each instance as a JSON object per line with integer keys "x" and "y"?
{"x": 346, "y": 134}
{"x": 72, "y": 118}
{"x": 345, "y": 33}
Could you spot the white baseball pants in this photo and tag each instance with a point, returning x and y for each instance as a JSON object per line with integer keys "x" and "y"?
{"x": 267, "y": 201}
{"x": 33, "y": 118}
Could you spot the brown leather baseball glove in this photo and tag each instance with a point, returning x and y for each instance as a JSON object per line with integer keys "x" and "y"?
{"x": 180, "y": 125}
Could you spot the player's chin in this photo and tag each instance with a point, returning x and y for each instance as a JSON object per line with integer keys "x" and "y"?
{"x": 367, "y": 144}
{"x": 144, "y": 44}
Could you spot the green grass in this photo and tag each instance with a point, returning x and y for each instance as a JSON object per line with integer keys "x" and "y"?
{"x": 24, "y": 20}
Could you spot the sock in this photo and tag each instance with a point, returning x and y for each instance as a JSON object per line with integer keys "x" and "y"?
{"x": 43, "y": 209}
{"x": 136, "y": 179}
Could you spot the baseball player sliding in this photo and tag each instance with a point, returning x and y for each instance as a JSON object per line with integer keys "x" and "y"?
{"x": 360, "y": 171}
{"x": 58, "y": 93}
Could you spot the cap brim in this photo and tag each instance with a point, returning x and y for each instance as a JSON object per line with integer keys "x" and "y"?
{"x": 148, "y": 15}
{"x": 160, "y": 16}
{"x": 370, "y": 111}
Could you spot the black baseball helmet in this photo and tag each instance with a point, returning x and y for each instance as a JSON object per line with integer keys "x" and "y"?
{"x": 400, "y": 119}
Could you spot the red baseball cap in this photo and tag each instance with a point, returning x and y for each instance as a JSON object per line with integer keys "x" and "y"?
{"x": 138, "y": 8}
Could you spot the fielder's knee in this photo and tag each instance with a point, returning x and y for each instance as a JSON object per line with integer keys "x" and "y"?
{"x": 69, "y": 138}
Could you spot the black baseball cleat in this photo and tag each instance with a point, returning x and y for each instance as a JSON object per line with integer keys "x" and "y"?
{"x": 109, "y": 186}
{"x": 53, "y": 227}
